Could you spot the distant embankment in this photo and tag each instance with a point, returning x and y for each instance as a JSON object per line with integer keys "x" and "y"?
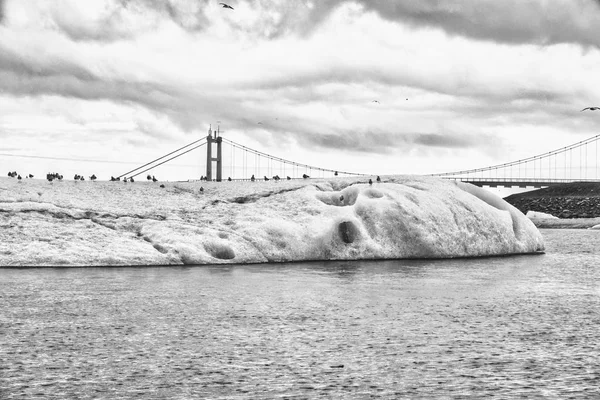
{"x": 571, "y": 200}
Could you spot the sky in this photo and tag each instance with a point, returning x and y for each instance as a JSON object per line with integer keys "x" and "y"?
{"x": 378, "y": 87}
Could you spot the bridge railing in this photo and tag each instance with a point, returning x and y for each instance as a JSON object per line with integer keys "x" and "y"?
{"x": 517, "y": 180}
{"x": 520, "y": 182}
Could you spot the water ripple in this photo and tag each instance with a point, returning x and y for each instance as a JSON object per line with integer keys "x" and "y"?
{"x": 514, "y": 327}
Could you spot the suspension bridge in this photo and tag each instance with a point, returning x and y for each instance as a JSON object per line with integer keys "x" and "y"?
{"x": 228, "y": 160}
{"x": 577, "y": 162}
{"x": 225, "y": 157}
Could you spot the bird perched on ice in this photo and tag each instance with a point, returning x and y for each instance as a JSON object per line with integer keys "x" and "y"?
{"x": 378, "y": 178}
{"x": 591, "y": 108}
{"x": 226, "y": 5}
{"x": 370, "y": 181}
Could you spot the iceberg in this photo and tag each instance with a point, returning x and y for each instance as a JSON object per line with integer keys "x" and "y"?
{"x": 538, "y": 214}
{"x": 85, "y": 223}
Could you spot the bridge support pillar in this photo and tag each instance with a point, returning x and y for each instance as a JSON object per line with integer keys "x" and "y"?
{"x": 210, "y": 139}
{"x": 219, "y": 160}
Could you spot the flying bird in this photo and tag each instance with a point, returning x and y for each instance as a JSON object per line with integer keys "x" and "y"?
{"x": 375, "y": 101}
{"x": 226, "y": 5}
{"x": 591, "y": 108}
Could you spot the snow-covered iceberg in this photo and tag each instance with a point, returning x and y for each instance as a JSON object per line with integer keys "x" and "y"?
{"x": 82, "y": 223}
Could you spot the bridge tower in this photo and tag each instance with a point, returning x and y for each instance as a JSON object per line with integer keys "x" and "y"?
{"x": 213, "y": 137}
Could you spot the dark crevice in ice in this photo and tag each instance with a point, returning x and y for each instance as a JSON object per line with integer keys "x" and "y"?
{"x": 79, "y": 214}
{"x": 252, "y": 198}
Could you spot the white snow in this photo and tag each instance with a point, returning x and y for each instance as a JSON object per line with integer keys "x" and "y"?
{"x": 80, "y": 223}
{"x": 539, "y": 214}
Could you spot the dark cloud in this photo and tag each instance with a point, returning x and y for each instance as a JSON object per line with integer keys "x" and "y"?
{"x": 1, "y": 11}
{"x": 27, "y": 76}
{"x": 357, "y": 141}
{"x": 447, "y": 141}
{"x": 382, "y": 141}
{"x": 509, "y": 21}
{"x": 27, "y": 66}
{"x": 190, "y": 111}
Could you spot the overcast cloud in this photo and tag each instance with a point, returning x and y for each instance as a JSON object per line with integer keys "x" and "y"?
{"x": 400, "y": 82}
{"x": 511, "y": 21}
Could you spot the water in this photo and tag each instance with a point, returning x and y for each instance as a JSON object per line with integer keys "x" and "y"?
{"x": 509, "y": 327}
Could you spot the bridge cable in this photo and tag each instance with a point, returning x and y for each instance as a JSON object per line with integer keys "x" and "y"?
{"x": 563, "y": 150}
{"x": 160, "y": 158}
{"x": 178, "y": 155}
{"x": 261, "y": 154}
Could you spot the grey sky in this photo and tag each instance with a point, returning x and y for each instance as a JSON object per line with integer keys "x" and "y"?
{"x": 456, "y": 81}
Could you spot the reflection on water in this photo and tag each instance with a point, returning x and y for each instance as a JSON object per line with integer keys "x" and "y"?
{"x": 524, "y": 326}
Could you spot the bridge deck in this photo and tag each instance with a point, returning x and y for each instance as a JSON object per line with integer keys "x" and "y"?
{"x": 518, "y": 182}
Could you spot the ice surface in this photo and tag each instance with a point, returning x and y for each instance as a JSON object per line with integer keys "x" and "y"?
{"x": 82, "y": 223}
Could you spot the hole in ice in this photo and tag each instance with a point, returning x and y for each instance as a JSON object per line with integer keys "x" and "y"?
{"x": 160, "y": 248}
{"x": 347, "y": 231}
{"x": 219, "y": 250}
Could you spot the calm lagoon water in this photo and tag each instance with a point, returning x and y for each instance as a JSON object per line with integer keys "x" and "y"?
{"x": 508, "y": 327}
